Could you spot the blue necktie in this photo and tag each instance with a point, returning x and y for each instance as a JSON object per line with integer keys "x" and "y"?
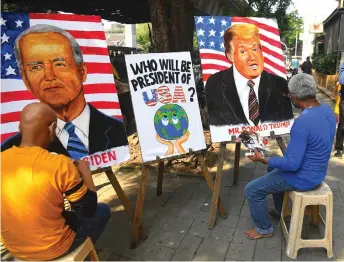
{"x": 75, "y": 147}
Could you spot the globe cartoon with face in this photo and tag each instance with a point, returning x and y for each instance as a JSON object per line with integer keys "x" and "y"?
{"x": 171, "y": 122}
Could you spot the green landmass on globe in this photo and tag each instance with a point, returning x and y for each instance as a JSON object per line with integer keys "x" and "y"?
{"x": 171, "y": 122}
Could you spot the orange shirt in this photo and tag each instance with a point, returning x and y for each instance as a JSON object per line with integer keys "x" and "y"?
{"x": 33, "y": 181}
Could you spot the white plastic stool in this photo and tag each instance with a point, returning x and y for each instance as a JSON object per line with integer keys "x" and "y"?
{"x": 307, "y": 203}
{"x": 81, "y": 252}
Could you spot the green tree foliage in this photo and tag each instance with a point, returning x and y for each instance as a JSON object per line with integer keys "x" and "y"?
{"x": 142, "y": 36}
{"x": 293, "y": 25}
{"x": 289, "y": 23}
{"x": 233, "y": 7}
{"x": 325, "y": 63}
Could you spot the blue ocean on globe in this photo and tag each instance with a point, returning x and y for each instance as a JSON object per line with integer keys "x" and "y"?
{"x": 171, "y": 122}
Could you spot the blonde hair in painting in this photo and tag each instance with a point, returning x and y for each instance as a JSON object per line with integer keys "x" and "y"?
{"x": 241, "y": 30}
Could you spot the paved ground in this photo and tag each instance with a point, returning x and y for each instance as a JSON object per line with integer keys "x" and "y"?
{"x": 177, "y": 221}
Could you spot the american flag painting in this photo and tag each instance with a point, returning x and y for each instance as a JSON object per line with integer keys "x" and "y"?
{"x": 210, "y": 31}
{"x": 99, "y": 88}
{"x": 150, "y": 97}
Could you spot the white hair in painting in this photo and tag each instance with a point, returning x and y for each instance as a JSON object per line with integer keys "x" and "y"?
{"x": 77, "y": 54}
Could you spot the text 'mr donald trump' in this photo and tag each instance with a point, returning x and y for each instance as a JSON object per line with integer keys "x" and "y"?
{"x": 245, "y": 93}
{"x": 53, "y": 70}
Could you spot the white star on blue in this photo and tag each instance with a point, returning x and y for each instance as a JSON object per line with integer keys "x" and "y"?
{"x": 12, "y": 25}
{"x": 210, "y": 30}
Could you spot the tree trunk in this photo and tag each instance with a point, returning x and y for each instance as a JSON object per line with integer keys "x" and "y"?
{"x": 181, "y": 25}
{"x": 159, "y": 25}
{"x": 172, "y": 24}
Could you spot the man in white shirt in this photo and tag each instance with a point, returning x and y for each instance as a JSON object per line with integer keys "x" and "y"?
{"x": 245, "y": 93}
{"x": 52, "y": 67}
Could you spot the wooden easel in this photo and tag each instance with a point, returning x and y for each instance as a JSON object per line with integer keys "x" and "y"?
{"x": 122, "y": 197}
{"x": 219, "y": 171}
{"x": 161, "y": 167}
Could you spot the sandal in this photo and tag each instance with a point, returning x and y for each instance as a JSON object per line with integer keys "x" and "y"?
{"x": 257, "y": 236}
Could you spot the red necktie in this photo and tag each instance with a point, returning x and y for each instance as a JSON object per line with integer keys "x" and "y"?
{"x": 253, "y": 106}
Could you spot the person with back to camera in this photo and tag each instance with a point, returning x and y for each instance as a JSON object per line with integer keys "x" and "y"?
{"x": 34, "y": 225}
{"x": 307, "y": 66}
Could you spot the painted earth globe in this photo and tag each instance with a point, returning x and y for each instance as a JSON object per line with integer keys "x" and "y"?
{"x": 171, "y": 122}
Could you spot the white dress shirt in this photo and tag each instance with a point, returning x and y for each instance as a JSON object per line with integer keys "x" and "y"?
{"x": 244, "y": 90}
{"x": 82, "y": 123}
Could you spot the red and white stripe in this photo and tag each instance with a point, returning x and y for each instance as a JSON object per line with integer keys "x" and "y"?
{"x": 164, "y": 92}
{"x": 214, "y": 61}
{"x": 178, "y": 95}
{"x": 99, "y": 88}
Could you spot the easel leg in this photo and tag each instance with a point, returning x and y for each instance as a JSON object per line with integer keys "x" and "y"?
{"x": 124, "y": 199}
{"x": 210, "y": 182}
{"x": 161, "y": 170}
{"x": 217, "y": 186}
{"x": 280, "y": 143}
{"x": 236, "y": 163}
{"x": 139, "y": 207}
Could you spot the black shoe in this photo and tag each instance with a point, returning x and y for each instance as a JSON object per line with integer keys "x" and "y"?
{"x": 339, "y": 154}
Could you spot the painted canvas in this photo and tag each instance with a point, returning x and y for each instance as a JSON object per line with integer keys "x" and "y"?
{"x": 62, "y": 60}
{"x": 167, "y": 114}
{"x": 245, "y": 77}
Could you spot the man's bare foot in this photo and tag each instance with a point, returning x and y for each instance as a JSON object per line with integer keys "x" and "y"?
{"x": 253, "y": 235}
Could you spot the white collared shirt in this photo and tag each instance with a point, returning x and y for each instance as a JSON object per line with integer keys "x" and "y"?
{"x": 244, "y": 90}
{"x": 82, "y": 123}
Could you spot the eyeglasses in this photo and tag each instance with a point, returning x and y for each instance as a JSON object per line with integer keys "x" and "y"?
{"x": 290, "y": 95}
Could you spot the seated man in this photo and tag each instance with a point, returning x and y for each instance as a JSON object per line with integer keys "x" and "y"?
{"x": 304, "y": 164}
{"x": 34, "y": 225}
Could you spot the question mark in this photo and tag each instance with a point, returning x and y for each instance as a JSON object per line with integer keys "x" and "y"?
{"x": 193, "y": 92}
